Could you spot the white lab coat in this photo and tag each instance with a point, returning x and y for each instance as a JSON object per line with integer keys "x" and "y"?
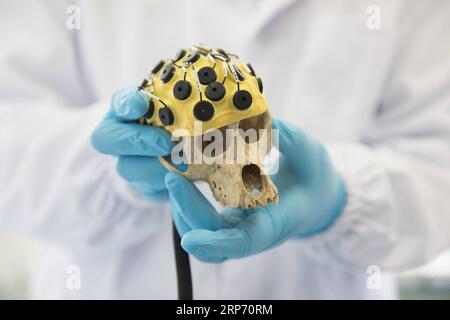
{"x": 378, "y": 99}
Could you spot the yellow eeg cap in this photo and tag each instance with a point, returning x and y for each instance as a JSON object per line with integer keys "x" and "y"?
{"x": 211, "y": 86}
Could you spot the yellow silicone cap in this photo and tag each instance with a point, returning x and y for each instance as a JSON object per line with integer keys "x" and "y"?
{"x": 243, "y": 96}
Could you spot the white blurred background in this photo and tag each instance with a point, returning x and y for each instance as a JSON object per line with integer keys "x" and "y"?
{"x": 18, "y": 256}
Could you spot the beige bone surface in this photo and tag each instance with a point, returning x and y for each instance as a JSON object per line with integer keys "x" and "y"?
{"x": 233, "y": 184}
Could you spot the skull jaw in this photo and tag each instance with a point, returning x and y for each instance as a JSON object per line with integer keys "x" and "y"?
{"x": 238, "y": 186}
{"x": 234, "y": 186}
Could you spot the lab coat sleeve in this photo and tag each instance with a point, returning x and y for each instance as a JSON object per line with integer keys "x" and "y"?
{"x": 398, "y": 178}
{"x": 53, "y": 185}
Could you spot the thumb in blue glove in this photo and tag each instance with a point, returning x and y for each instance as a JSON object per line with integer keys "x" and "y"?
{"x": 311, "y": 196}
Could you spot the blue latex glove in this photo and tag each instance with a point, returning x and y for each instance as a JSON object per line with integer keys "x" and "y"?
{"x": 136, "y": 146}
{"x": 311, "y": 196}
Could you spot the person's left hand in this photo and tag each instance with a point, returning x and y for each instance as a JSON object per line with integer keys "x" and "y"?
{"x": 311, "y": 196}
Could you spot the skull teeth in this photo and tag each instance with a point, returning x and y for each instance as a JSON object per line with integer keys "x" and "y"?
{"x": 268, "y": 195}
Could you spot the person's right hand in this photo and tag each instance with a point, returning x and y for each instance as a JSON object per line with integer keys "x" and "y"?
{"x": 136, "y": 146}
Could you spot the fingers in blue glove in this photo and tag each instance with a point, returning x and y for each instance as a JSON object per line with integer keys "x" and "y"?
{"x": 150, "y": 192}
{"x": 142, "y": 169}
{"x": 129, "y": 104}
{"x": 130, "y": 139}
{"x": 114, "y": 136}
{"x": 189, "y": 205}
{"x": 303, "y": 153}
{"x": 145, "y": 175}
{"x": 252, "y": 235}
{"x": 238, "y": 235}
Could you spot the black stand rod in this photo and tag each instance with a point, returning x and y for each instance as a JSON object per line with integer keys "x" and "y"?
{"x": 183, "y": 267}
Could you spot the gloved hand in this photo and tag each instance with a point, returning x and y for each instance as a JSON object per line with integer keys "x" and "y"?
{"x": 311, "y": 196}
{"x": 136, "y": 146}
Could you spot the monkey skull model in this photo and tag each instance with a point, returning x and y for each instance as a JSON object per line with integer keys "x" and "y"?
{"x": 214, "y": 104}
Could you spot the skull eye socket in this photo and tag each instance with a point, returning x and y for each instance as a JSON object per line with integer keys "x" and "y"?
{"x": 251, "y": 129}
{"x": 214, "y": 142}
